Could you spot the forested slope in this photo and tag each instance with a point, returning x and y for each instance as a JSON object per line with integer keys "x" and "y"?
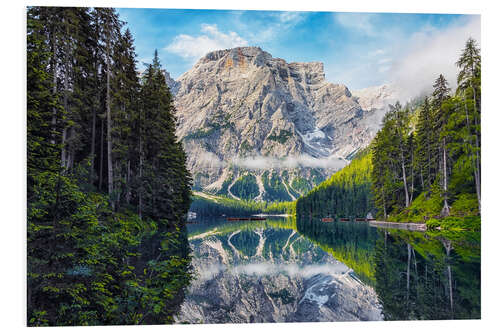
{"x": 432, "y": 170}
{"x": 423, "y": 165}
{"x": 347, "y": 193}
{"x": 218, "y": 206}
{"x": 107, "y": 186}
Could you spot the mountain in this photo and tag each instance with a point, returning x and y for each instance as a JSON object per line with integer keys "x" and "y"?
{"x": 271, "y": 273}
{"x": 257, "y": 127}
{"x": 376, "y": 98}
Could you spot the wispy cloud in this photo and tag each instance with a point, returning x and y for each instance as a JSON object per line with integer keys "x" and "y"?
{"x": 210, "y": 39}
{"x": 410, "y": 61}
{"x": 269, "y": 269}
{"x": 430, "y": 53}
{"x": 360, "y": 22}
{"x": 289, "y": 162}
{"x": 291, "y": 18}
{"x": 210, "y": 160}
{"x": 273, "y": 25}
{"x": 384, "y": 61}
{"x": 376, "y": 52}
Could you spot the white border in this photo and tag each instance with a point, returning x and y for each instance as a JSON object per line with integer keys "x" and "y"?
{"x": 13, "y": 138}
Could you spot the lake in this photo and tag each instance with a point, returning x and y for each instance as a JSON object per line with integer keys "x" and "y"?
{"x": 284, "y": 270}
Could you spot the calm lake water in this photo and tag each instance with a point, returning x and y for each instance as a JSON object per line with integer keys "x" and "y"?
{"x": 283, "y": 270}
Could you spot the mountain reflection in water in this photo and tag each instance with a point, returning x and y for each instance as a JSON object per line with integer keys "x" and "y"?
{"x": 283, "y": 270}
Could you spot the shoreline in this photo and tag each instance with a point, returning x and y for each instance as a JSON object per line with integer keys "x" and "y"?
{"x": 271, "y": 215}
{"x": 399, "y": 225}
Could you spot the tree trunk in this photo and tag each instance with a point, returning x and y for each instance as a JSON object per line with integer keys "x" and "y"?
{"x": 407, "y": 199}
{"x": 478, "y": 159}
{"x": 127, "y": 196}
{"x": 408, "y": 274}
{"x": 446, "y": 208}
{"x": 412, "y": 176}
{"x": 71, "y": 151}
{"x": 478, "y": 156}
{"x": 54, "y": 82}
{"x": 65, "y": 102}
{"x": 383, "y": 202}
{"x": 422, "y": 179}
{"x": 416, "y": 270}
{"x": 429, "y": 170}
{"x": 101, "y": 158}
{"x": 447, "y": 246}
{"x": 140, "y": 165}
{"x": 92, "y": 144}
{"x": 108, "y": 118}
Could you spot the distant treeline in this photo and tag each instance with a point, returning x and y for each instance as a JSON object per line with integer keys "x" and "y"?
{"x": 224, "y": 206}
{"x": 347, "y": 193}
{"x": 107, "y": 186}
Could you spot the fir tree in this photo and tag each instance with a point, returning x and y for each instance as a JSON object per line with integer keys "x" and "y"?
{"x": 469, "y": 89}
{"x": 440, "y": 97}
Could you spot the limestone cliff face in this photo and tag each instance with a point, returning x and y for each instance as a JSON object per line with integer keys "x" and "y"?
{"x": 242, "y": 112}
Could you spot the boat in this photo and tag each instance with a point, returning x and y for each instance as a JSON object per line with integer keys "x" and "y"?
{"x": 327, "y": 219}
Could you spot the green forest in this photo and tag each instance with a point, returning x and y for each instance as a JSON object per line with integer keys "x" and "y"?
{"x": 221, "y": 205}
{"x": 424, "y": 165}
{"x": 428, "y": 276}
{"x": 429, "y": 169}
{"x": 346, "y": 194}
{"x": 107, "y": 187}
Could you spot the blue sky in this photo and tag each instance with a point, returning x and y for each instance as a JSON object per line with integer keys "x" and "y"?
{"x": 358, "y": 49}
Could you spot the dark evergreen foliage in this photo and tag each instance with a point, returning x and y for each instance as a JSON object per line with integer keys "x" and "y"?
{"x": 101, "y": 255}
{"x": 433, "y": 171}
{"x": 345, "y": 195}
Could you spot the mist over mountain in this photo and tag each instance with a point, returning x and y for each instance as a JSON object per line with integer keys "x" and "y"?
{"x": 247, "y": 118}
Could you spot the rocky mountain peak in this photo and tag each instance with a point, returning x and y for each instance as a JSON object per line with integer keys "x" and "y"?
{"x": 246, "y": 116}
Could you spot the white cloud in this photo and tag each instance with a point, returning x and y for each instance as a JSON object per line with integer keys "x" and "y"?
{"x": 268, "y": 269}
{"x": 384, "y": 61}
{"x": 431, "y": 52}
{"x": 291, "y": 17}
{"x": 211, "y": 39}
{"x": 274, "y": 26}
{"x": 304, "y": 161}
{"x": 362, "y": 22}
{"x": 383, "y": 69}
{"x": 210, "y": 160}
{"x": 377, "y": 52}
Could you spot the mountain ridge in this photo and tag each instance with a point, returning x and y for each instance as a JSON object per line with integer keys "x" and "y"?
{"x": 243, "y": 113}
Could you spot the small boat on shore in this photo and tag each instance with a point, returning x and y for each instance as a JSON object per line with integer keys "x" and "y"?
{"x": 327, "y": 219}
{"x": 343, "y": 219}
